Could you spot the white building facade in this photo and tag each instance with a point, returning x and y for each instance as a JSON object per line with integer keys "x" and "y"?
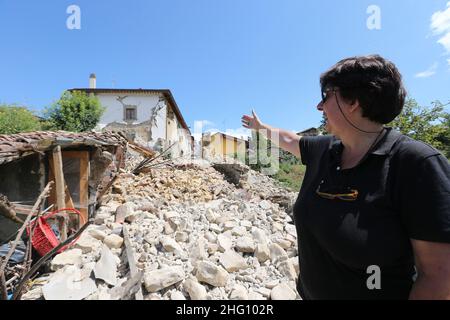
{"x": 149, "y": 117}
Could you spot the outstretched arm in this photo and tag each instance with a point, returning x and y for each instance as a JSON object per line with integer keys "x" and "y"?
{"x": 285, "y": 139}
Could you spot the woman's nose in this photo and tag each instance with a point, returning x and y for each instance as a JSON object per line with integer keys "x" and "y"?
{"x": 320, "y": 106}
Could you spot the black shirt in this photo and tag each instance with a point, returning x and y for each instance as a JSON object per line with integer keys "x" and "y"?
{"x": 404, "y": 193}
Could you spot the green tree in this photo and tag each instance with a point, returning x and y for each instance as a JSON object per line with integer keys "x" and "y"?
{"x": 427, "y": 124}
{"x": 322, "y": 127}
{"x": 15, "y": 119}
{"x": 443, "y": 136}
{"x": 74, "y": 111}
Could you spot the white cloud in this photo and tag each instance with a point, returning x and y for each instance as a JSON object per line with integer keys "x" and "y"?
{"x": 205, "y": 123}
{"x": 429, "y": 72}
{"x": 200, "y": 126}
{"x": 440, "y": 26}
{"x": 241, "y": 133}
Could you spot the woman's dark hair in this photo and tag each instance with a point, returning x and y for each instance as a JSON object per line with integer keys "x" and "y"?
{"x": 372, "y": 80}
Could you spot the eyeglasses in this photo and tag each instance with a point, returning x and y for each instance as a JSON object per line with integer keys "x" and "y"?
{"x": 325, "y": 93}
{"x": 345, "y": 194}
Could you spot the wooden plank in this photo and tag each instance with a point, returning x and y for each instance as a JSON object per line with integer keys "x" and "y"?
{"x": 51, "y": 177}
{"x": 74, "y": 219}
{"x": 59, "y": 187}
{"x": 83, "y": 187}
{"x": 68, "y": 199}
{"x": 84, "y": 184}
{"x": 74, "y": 154}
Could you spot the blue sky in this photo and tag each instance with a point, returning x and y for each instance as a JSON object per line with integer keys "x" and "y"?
{"x": 220, "y": 58}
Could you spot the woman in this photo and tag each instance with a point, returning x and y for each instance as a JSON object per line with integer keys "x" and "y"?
{"x": 373, "y": 212}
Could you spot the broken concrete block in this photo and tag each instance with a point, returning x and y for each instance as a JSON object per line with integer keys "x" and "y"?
{"x": 266, "y": 205}
{"x": 262, "y": 252}
{"x": 212, "y": 248}
{"x": 63, "y": 285}
{"x": 68, "y": 257}
{"x": 229, "y": 225}
{"x": 282, "y": 292}
{"x": 210, "y": 273}
{"x": 156, "y": 280}
{"x": 225, "y": 243}
{"x": 271, "y": 283}
{"x": 101, "y": 219}
{"x": 290, "y": 229}
{"x": 122, "y": 212}
{"x": 239, "y": 292}
{"x": 113, "y": 241}
{"x": 277, "y": 253}
{"x": 259, "y": 236}
{"x": 87, "y": 243}
{"x": 195, "y": 290}
{"x": 177, "y": 295}
{"x": 295, "y": 263}
{"x": 106, "y": 267}
{"x": 181, "y": 236}
{"x": 197, "y": 251}
{"x": 170, "y": 244}
{"x": 245, "y": 244}
{"x": 232, "y": 261}
{"x": 252, "y": 295}
{"x": 287, "y": 269}
{"x": 285, "y": 244}
{"x": 97, "y": 234}
{"x": 239, "y": 231}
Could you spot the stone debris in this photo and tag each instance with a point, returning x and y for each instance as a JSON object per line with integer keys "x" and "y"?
{"x": 87, "y": 243}
{"x": 113, "y": 241}
{"x": 69, "y": 257}
{"x": 195, "y": 290}
{"x": 232, "y": 261}
{"x": 212, "y": 274}
{"x": 156, "y": 280}
{"x": 245, "y": 244}
{"x": 197, "y": 231}
{"x": 282, "y": 292}
{"x": 66, "y": 284}
{"x": 239, "y": 292}
{"x": 106, "y": 267}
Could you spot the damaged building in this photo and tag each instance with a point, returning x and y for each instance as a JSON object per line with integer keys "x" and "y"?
{"x": 219, "y": 145}
{"x": 84, "y": 162}
{"x": 150, "y": 117}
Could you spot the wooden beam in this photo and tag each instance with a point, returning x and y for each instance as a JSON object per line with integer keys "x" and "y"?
{"x": 59, "y": 187}
{"x": 84, "y": 184}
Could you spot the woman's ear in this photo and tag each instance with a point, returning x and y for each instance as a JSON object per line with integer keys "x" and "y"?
{"x": 354, "y": 105}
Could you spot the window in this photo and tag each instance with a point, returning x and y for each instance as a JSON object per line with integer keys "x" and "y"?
{"x": 130, "y": 114}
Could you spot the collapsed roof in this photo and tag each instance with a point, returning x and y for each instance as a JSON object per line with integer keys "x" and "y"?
{"x": 15, "y": 146}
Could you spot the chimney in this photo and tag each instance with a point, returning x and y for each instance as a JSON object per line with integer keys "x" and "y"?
{"x": 92, "y": 81}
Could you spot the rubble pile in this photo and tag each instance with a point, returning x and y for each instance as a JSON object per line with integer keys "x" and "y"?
{"x": 192, "y": 234}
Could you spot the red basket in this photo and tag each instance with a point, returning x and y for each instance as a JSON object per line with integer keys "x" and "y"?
{"x": 44, "y": 239}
